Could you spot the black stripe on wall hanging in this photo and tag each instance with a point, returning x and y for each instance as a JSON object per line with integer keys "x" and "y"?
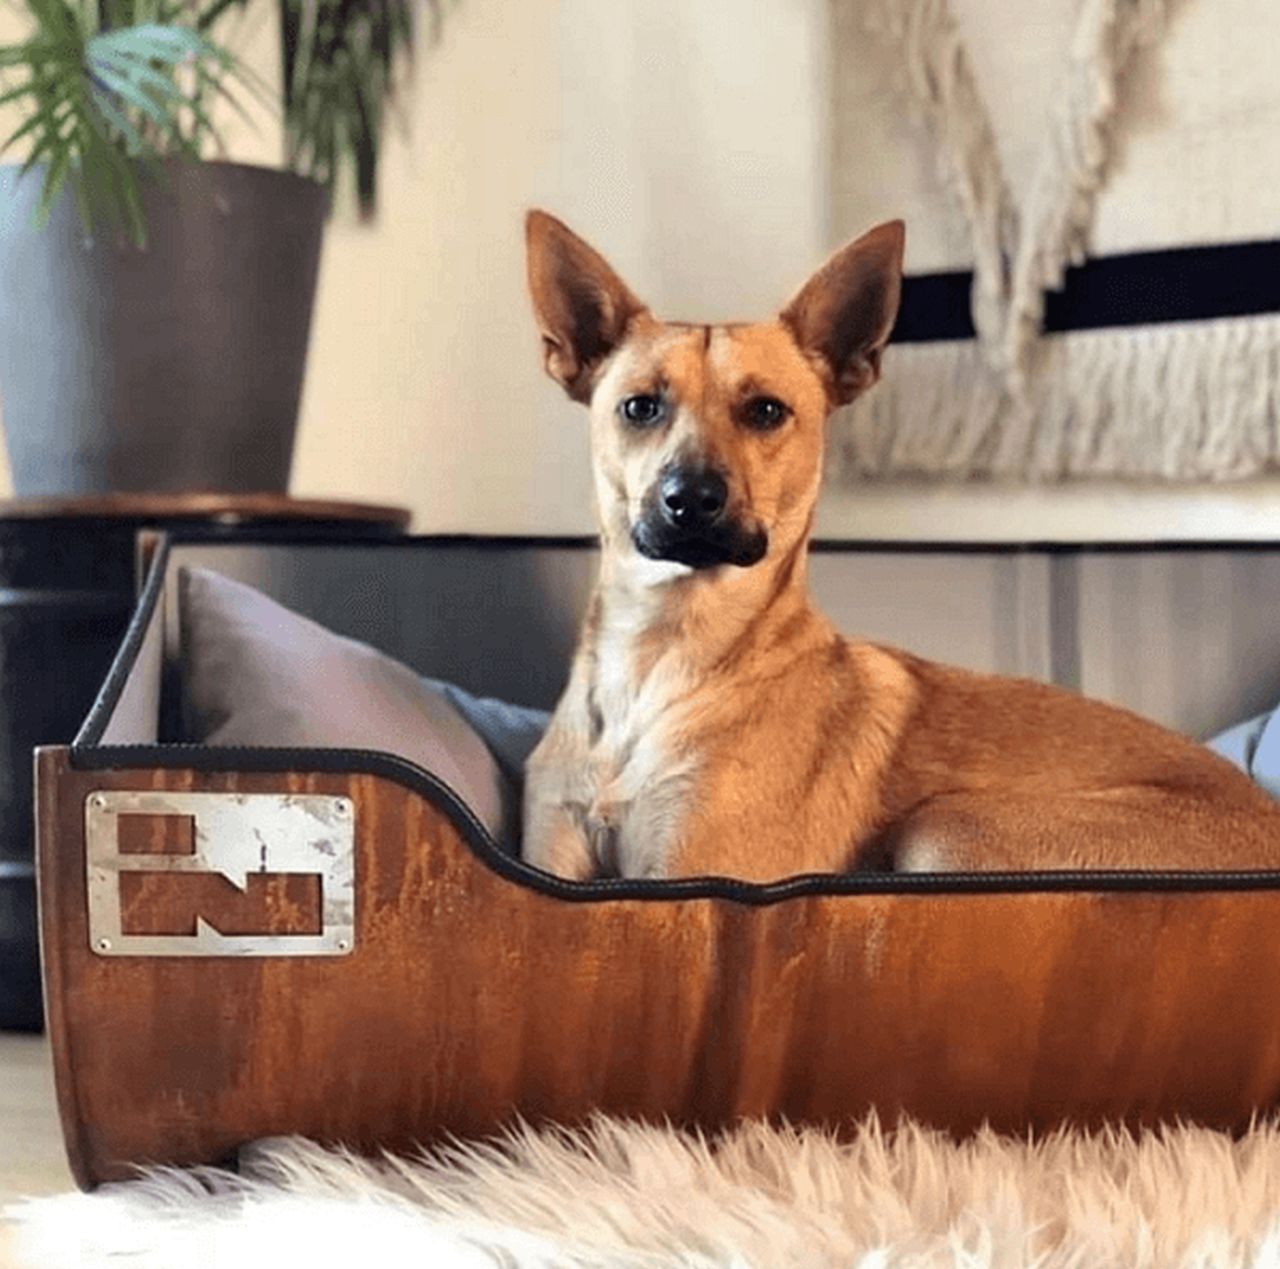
{"x": 1142, "y": 288}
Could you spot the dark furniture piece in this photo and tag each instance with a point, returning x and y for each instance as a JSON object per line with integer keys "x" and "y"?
{"x": 67, "y": 586}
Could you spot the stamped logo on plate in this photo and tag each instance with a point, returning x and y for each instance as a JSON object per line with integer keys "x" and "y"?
{"x": 220, "y": 874}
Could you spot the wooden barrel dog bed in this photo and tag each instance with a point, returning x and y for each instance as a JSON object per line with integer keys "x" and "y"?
{"x": 406, "y": 979}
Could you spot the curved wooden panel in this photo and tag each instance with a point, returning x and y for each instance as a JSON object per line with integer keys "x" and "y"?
{"x": 469, "y": 1000}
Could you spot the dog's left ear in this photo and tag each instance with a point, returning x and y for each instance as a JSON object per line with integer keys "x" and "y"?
{"x": 843, "y": 315}
{"x": 583, "y": 308}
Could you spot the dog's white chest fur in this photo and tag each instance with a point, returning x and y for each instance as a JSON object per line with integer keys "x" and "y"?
{"x": 637, "y": 776}
{"x": 609, "y": 780}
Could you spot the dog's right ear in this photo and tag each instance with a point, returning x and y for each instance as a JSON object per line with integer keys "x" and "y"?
{"x": 583, "y": 308}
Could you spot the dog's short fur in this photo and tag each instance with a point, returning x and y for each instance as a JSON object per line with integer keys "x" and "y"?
{"x": 715, "y": 723}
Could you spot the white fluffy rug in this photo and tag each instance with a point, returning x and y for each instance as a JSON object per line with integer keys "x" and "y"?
{"x": 631, "y": 1197}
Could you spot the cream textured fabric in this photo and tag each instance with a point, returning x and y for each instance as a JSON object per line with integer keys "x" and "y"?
{"x": 1177, "y": 401}
{"x": 1019, "y": 164}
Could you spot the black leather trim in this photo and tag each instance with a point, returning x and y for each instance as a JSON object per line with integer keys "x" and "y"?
{"x": 95, "y": 721}
{"x": 368, "y": 762}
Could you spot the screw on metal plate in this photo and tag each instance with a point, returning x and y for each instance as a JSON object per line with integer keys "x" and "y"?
{"x": 236, "y": 836}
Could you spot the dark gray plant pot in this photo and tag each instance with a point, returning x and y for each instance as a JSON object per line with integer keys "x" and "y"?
{"x": 174, "y": 367}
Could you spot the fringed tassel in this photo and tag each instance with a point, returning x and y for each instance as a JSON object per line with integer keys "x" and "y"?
{"x": 1020, "y": 248}
{"x": 1055, "y": 219}
{"x": 938, "y": 78}
{"x": 1183, "y": 401}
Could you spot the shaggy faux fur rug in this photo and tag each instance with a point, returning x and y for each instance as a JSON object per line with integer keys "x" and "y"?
{"x": 637, "y": 1198}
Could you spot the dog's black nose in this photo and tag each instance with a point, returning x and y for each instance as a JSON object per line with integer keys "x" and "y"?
{"x": 693, "y": 497}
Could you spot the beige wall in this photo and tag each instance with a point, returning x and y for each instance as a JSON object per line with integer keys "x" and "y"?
{"x": 684, "y": 139}
{"x": 687, "y": 138}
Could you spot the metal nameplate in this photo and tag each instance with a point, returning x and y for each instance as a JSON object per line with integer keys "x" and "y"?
{"x": 233, "y": 835}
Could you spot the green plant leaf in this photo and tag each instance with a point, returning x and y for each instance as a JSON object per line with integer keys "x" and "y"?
{"x": 49, "y": 118}
{"x": 216, "y": 10}
{"x": 55, "y": 178}
{"x": 170, "y": 44}
{"x": 220, "y": 87}
{"x": 126, "y": 87}
{"x": 103, "y": 89}
{"x": 108, "y": 85}
{"x": 118, "y": 120}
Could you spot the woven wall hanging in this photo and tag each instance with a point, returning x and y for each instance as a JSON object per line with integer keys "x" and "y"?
{"x": 1092, "y": 197}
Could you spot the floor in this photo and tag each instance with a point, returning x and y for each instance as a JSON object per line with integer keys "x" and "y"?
{"x": 31, "y": 1156}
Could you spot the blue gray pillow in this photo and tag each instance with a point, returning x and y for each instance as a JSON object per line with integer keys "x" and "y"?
{"x": 1254, "y": 747}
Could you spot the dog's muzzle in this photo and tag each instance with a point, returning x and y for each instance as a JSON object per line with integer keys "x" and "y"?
{"x": 686, "y": 521}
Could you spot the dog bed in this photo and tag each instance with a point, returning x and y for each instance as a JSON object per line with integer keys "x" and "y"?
{"x": 250, "y": 942}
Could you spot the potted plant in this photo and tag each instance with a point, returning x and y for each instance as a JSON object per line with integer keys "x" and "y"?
{"x": 155, "y": 306}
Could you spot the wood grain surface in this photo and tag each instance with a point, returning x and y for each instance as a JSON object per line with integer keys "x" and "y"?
{"x": 470, "y": 1000}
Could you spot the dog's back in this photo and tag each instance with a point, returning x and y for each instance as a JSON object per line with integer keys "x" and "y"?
{"x": 999, "y": 773}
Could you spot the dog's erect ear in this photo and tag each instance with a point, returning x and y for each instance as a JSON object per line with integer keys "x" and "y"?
{"x": 843, "y": 315}
{"x": 583, "y": 308}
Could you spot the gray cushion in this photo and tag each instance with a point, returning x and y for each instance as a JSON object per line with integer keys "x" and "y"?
{"x": 256, "y": 673}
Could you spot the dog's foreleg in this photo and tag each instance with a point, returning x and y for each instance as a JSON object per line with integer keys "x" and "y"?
{"x": 553, "y": 838}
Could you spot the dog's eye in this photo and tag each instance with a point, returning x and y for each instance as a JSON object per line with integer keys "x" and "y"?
{"x": 642, "y": 410}
{"x": 765, "y": 413}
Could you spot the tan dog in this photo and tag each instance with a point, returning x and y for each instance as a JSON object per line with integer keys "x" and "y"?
{"x": 715, "y": 723}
